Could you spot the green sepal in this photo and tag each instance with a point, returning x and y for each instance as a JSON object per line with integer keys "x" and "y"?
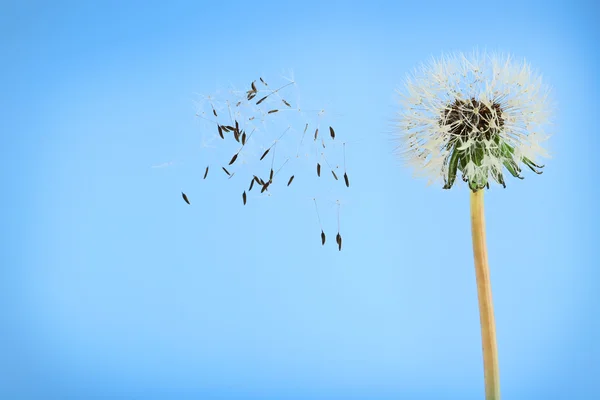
{"x": 452, "y": 167}
{"x": 531, "y": 165}
{"x": 501, "y": 180}
{"x": 513, "y": 169}
{"x": 477, "y": 159}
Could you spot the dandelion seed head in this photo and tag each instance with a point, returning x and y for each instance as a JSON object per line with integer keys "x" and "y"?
{"x": 477, "y": 114}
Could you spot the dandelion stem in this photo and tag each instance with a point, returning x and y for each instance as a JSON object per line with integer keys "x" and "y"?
{"x": 484, "y": 293}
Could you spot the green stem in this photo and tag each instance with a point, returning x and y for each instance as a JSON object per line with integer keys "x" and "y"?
{"x": 484, "y": 294}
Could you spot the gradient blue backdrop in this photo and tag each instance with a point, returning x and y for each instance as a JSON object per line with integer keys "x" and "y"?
{"x": 111, "y": 287}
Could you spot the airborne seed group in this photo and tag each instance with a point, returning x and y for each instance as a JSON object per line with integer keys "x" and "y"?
{"x": 232, "y": 122}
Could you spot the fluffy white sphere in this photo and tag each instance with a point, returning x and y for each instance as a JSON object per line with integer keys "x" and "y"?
{"x": 475, "y": 114}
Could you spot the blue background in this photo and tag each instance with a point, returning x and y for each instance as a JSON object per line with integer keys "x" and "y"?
{"x": 112, "y": 287}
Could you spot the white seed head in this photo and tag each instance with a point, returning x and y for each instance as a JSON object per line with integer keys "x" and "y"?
{"x": 475, "y": 114}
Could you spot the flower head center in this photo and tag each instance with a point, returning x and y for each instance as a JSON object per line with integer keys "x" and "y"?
{"x": 472, "y": 119}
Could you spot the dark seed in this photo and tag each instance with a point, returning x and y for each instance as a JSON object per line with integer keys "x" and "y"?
{"x": 227, "y": 172}
{"x": 332, "y": 132}
{"x": 244, "y": 138}
{"x": 286, "y": 103}
{"x": 257, "y": 179}
{"x": 237, "y": 126}
{"x": 316, "y": 133}
{"x": 236, "y": 135}
{"x": 185, "y": 197}
{"x": 220, "y": 131}
{"x": 265, "y": 186}
{"x": 261, "y": 181}
{"x": 253, "y": 87}
{"x": 205, "y": 173}
{"x": 272, "y": 111}
{"x": 265, "y": 154}
{"x": 334, "y": 175}
{"x": 251, "y": 184}
{"x": 290, "y": 181}
{"x": 338, "y": 239}
{"x": 271, "y": 175}
{"x": 233, "y": 159}
{"x": 238, "y": 103}
{"x": 261, "y": 79}
{"x": 244, "y": 197}
{"x": 322, "y": 237}
{"x": 346, "y": 180}
{"x": 251, "y": 95}
{"x": 214, "y": 112}
{"x": 318, "y": 169}
{"x": 261, "y": 100}
{"x": 229, "y": 128}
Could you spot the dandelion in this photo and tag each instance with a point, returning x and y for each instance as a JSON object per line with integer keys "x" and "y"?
{"x": 479, "y": 115}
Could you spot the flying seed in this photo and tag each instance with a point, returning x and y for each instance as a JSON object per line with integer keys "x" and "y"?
{"x": 243, "y": 138}
{"x": 265, "y": 83}
{"x": 227, "y": 172}
{"x": 261, "y": 181}
{"x": 236, "y": 135}
{"x": 253, "y": 86}
{"x": 332, "y": 133}
{"x": 318, "y": 169}
{"x": 334, "y": 175}
{"x": 290, "y": 181}
{"x": 251, "y": 184}
{"x": 185, "y": 197}
{"x": 229, "y": 128}
{"x": 320, "y": 224}
{"x": 316, "y": 133}
{"x": 265, "y": 154}
{"x": 346, "y": 180}
{"x": 251, "y": 95}
{"x": 233, "y": 159}
{"x": 214, "y": 112}
{"x": 265, "y": 186}
{"x": 338, "y": 239}
{"x": 205, "y": 173}
{"x": 261, "y": 100}
{"x": 286, "y": 103}
{"x": 244, "y": 197}
{"x": 220, "y": 131}
{"x": 237, "y": 126}
{"x": 271, "y": 175}
{"x": 238, "y": 103}
{"x": 272, "y": 111}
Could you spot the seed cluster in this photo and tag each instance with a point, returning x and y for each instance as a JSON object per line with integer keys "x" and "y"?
{"x": 472, "y": 119}
{"x": 247, "y": 122}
